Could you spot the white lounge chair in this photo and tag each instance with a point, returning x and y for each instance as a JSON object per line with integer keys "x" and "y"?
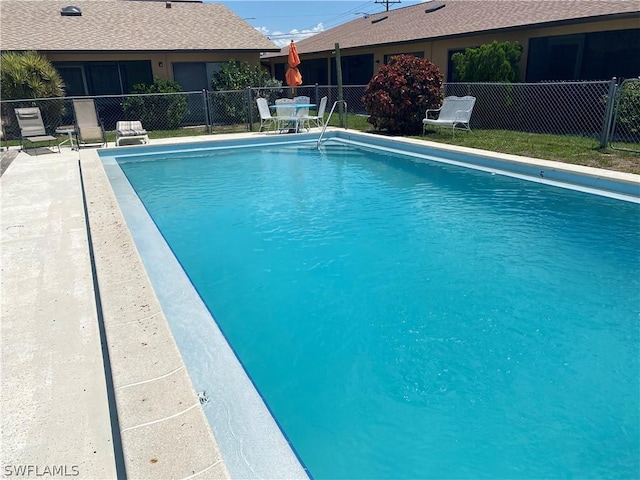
{"x": 265, "y": 114}
{"x": 128, "y": 130}
{"x": 455, "y": 112}
{"x": 32, "y": 128}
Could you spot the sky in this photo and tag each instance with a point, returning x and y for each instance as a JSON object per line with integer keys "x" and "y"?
{"x": 283, "y": 21}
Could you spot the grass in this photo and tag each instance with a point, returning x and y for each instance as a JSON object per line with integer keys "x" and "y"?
{"x": 561, "y": 148}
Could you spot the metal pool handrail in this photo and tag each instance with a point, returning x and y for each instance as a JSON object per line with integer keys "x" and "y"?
{"x": 324, "y": 127}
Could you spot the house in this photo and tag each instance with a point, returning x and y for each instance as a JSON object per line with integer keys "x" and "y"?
{"x": 562, "y": 39}
{"x": 103, "y": 47}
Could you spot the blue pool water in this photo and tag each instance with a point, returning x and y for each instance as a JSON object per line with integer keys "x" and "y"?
{"x": 408, "y": 319}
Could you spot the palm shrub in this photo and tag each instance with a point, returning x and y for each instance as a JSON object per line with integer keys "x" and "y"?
{"x": 397, "y": 97}
{"x": 30, "y": 75}
{"x": 157, "y": 112}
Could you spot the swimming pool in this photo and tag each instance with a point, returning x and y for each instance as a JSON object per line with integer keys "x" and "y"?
{"x": 406, "y": 318}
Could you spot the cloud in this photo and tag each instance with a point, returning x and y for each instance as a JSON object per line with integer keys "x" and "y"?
{"x": 282, "y": 39}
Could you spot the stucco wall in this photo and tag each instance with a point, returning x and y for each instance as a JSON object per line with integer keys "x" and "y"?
{"x": 160, "y": 61}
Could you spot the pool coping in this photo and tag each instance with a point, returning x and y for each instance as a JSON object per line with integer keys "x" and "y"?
{"x": 267, "y": 453}
{"x": 596, "y": 181}
{"x": 251, "y": 442}
{"x": 163, "y": 430}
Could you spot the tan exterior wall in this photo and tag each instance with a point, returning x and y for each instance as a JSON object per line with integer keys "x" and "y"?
{"x": 160, "y": 61}
{"x": 438, "y": 50}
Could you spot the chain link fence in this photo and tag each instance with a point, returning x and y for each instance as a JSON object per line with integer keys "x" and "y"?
{"x": 593, "y": 109}
{"x": 559, "y": 108}
{"x": 166, "y": 112}
{"x": 625, "y": 130}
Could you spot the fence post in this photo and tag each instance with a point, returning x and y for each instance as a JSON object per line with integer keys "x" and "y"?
{"x": 205, "y": 104}
{"x": 247, "y": 97}
{"x": 608, "y": 113}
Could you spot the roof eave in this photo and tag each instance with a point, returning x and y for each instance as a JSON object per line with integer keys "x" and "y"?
{"x": 185, "y": 50}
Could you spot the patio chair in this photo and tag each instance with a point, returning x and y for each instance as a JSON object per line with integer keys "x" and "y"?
{"x": 265, "y": 114}
{"x": 455, "y": 112}
{"x": 32, "y": 128}
{"x": 129, "y": 130}
{"x": 302, "y": 112}
{"x": 90, "y": 131}
{"x": 318, "y": 118}
{"x": 286, "y": 114}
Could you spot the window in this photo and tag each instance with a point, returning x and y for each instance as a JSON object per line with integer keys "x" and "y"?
{"x": 314, "y": 71}
{"x": 103, "y": 78}
{"x": 74, "y": 79}
{"x": 194, "y": 76}
{"x": 356, "y": 69}
{"x": 135, "y": 72}
{"x": 590, "y": 56}
{"x": 611, "y": 54}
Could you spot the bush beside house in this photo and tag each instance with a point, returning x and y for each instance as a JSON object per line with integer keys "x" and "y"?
{"x": 238, "y": 76}
{"x": 160, "y": 112}
{"x": 492, "y": 62}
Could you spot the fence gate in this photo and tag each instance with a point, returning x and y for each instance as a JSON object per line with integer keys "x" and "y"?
{"x": 625, "y": 129}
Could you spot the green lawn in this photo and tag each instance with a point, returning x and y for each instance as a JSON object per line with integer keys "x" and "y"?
{"x": 561, "y": 148}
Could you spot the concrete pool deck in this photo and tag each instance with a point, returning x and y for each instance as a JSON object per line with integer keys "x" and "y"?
{"x": 68, "y": 404}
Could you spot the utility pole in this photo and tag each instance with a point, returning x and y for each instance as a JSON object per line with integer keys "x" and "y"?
{"x": 387, "y": 2}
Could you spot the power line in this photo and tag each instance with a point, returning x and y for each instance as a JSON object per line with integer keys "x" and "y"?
{"x": 337, "y": 19}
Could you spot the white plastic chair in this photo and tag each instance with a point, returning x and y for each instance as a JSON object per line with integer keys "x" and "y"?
{"x": 265, "y": 114}
{"x": 318, "y": 118}
{"x": 455, "y": 112}
{"x": 286, "y": 114}
{"x": 302, "y": 112}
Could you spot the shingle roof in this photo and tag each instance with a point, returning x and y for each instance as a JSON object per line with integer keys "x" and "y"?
{"x": 117, "y": 25}
{"x": 458, "y": 17}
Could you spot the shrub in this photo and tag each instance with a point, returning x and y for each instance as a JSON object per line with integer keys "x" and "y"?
{"x": 157, "y": 112}
{"x": 398, "y": 96}
{"x": 240, "y": 76}
{"x": 271, "y": 90}
{"x": 628, "y": 109}
{"x": 25, "y": 75}
{"x": 492, "y": 62}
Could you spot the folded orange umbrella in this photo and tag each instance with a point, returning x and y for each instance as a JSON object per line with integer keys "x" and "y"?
{"x": 293, "y": 76}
